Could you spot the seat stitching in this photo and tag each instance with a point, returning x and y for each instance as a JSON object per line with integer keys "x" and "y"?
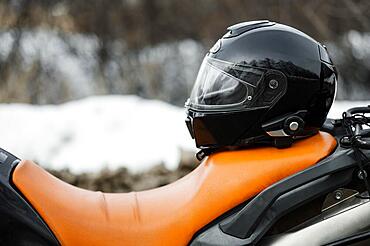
{"x": 137, "y": 208}
{"x": 104, "y": 206}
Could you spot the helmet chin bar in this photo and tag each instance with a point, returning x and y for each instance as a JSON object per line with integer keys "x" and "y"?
{"x": 280, "y": 132}
{"x": 286, "y": 128}
{"x": 286, "y": 125}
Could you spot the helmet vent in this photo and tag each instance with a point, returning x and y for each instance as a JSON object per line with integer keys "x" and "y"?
{"x": 237, "y": 29}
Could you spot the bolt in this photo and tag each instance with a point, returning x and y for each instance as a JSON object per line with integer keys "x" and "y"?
{"x": 249, "y": 98}
{"x": 362, "y": 174}
{"x": 338, "y": 194}
{"x": 293, "y": 126}
{"x": 273, "y": 84}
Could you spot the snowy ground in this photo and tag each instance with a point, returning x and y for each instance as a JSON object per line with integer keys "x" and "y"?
{"x": 340, "y": 106}
{"x": 97, "y": 132}
{"x": 104, "y": 131}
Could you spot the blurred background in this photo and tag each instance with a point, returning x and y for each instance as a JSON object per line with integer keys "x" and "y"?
{"x": 94, "y": 90}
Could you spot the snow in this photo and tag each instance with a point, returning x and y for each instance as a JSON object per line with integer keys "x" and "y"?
{"x": 103, "y": 132}
{"x": 339, "y": 107}
{"x": 97, "y": 132}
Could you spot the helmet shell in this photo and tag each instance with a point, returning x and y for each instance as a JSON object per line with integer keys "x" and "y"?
{"x": 310, "y": 75}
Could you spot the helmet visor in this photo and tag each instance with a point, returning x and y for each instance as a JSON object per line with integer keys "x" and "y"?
{"x": 222, "y": 84}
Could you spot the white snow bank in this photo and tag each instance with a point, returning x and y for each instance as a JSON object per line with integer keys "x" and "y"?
{"x": 339, "y": 107}
{"x": 103, "y": 131}
{"x": 97, "y": 132}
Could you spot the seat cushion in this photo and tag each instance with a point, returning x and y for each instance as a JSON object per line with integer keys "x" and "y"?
{"x": 169, "y": 215}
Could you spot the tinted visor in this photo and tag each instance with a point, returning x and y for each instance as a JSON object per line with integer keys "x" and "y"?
{"x": 221, "y": 85}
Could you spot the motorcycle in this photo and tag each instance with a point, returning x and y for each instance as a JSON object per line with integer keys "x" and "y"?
{"x": 315, "y": 192}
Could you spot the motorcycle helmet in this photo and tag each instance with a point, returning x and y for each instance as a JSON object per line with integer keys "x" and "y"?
{"x": 262, "y": 82}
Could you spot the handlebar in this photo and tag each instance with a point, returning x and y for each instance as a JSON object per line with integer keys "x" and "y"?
{"x": 358, "y": 110}
{"x": 359, "y": 131}
{"x": 360, "y": 143}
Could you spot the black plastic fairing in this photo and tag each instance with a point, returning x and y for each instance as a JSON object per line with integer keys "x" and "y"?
{"x": 243, "y": 223}
{"x": 20, "y": 224}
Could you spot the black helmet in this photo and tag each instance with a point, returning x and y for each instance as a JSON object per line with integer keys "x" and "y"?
{"x": 262, "y": 82}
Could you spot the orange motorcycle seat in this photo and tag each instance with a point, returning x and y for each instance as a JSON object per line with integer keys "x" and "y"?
{"x": 169, "y": 215}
